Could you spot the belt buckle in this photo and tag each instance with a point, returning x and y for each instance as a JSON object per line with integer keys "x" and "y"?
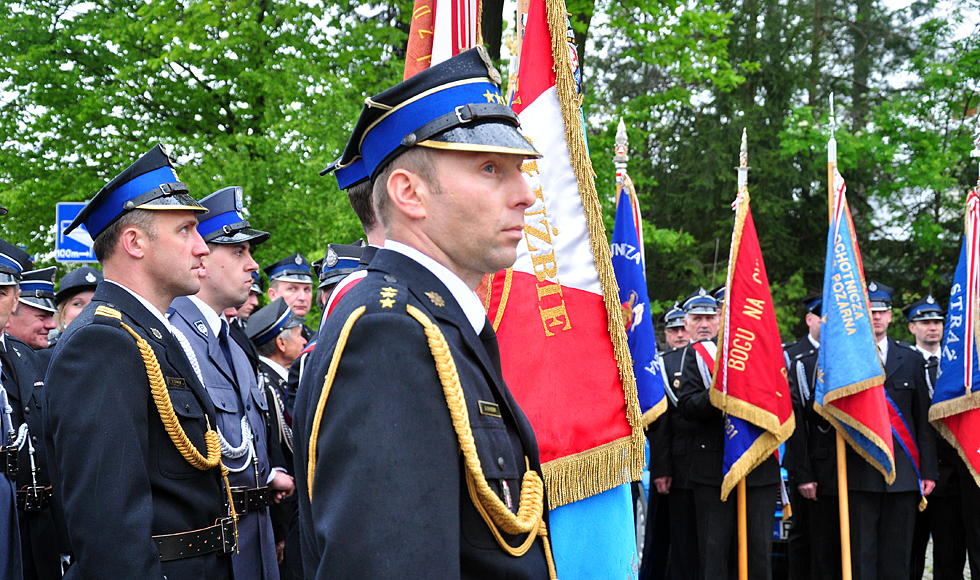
{"x": 34, "y": 497}
{"x": 239, "y": 497}
{"x": 258, "y": 498}
{"x": 8, "y": 461}
{"x": 228, "y": 542}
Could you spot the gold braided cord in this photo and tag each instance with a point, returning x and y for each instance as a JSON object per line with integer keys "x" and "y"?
{"x": 530, "y": 512}
{"x": 633, "y": 459}
{"x": 161, "y": 397}
{"x": 327, "y": 384}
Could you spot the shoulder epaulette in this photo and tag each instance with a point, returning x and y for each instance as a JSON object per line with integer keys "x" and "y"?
{"x": 107, "y": 316}
{"x": 387, "y": 295}
{"x": 905, "y": 344}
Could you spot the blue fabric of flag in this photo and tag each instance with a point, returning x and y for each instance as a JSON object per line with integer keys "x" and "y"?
{"x": 849, "y": 373}
{"x": 608, "y": 550}
{"x": 628, "y": 266}
{"x": 951, "y": 381}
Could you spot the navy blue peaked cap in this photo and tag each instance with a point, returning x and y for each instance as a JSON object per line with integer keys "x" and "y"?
{"x": 79, "y": 280}
{"x": 674, "y": 317}
{"x": 701, "y": 302}
{"x": 267, "y": 322}
{"x": 256, "y": 283}
{"x": 149, "y": 183}
{"x": 293, "y": 268}
{"x": 339, "y": 261}
{"x": 879, "y": 296}
{"x": 813, "y": 304}
{"x": 453, "y": 105}
{"x": 13, "y": 262}
{"x": 719, "y": 293}
{"x": 924, "y": 309}
{"x": 225, "y": 223}
{"x": 37, "y": 289}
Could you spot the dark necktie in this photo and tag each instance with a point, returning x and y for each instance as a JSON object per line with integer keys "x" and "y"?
{"x": 489, "y": 339}
{"x": 224, "y": 346}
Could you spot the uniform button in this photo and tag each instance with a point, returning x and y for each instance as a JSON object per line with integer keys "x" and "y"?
{"x": 27, "y": 410}
{"x": 501, "y": 463}
{"x": 187, "y": 407}
{"x": 33, "y": 438}
{"x": 390, "y": 279}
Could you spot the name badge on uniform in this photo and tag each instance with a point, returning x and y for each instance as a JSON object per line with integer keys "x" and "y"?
{"x": 176, "y": 382}
{"x": 489, "y": 409}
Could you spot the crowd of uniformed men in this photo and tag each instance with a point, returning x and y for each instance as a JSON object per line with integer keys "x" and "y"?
{"x": 155, "y": 425}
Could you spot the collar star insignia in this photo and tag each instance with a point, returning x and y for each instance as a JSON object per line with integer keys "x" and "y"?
{"x": 436, "y": 299}
{"x": 387, "y": 302}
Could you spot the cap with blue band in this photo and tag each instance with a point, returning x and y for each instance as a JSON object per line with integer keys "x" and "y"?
{"x": 267, "y": 322}
{"x": 879, "y": 297}
{"x": 150, "y": 183}
{"x": 924, "y": 309}
{"x": 37, "y": 289}
{"x": 13, "y": 262}
{"x": 454, "y": 105}
{"x": 701, "y": 302}
{"x": 225, "y": 223}
{"x": 293, "y": 268}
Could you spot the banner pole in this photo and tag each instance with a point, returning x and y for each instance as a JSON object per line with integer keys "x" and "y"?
{"x": 743, "y": 534}
{"x": 845, "y": 519}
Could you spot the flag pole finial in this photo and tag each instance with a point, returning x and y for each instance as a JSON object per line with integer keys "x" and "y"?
{"x": 622, "y": 149}
{"x": 743, "y": 170}
{"x": 832, "y": 144}
{"x": 976, "y": 145}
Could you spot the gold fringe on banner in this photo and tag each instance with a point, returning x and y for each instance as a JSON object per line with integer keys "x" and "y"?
{"x": 582, "y": 475}
{"x": 838, "y": 419}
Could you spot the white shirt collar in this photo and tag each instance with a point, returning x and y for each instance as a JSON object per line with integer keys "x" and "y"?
{"x": 926, "y": 354}
{"x": 275, "y": 366}
{"x": 883, "y": 349}
{"x": 467, "y": 299}
{"x": 212, "y": 318}
{"x": 146, "y": 304}
{"x": 815, "y": 343}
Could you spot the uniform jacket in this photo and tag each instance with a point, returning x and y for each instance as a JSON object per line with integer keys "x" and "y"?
{"x": 42, "y": 533}
{"x": 120, "y": 478}
{"x": 905, "y": 383}
{"x": 811, "y": 452}
{"x": 695, "y": 405}
{"x": 672, "y": 438}
{"x": 949, "y": 461}
{"x": 389, "y": 496}
{"x": 236, "y": 330}
{"x": 235, "y": 393}
{"x": 285, "y": 512}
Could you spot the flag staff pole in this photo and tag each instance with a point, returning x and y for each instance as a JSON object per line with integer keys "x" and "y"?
{"x": 743, "y": 534}
{"x": 620, "y": 158}
{"x": 845, "y": 521}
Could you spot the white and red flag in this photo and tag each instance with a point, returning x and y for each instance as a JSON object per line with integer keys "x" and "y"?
{"x": 559, "y": 321}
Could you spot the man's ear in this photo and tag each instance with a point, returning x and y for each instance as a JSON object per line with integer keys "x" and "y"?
{"x": 272, "y": 293}
{"x": 134, "y": 241}
{"x": 281, "y": 344}
{"x": 407, "y": 191}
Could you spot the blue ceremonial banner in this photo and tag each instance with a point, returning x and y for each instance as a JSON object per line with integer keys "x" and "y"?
{"x": 850, "y": 390}
{"x": 955, "y": 410}
{"x": 627, "y": 261}
{"x": 595, "y": 537}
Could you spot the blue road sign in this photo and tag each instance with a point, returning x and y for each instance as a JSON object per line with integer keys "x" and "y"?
{"x": 77, "y": 245}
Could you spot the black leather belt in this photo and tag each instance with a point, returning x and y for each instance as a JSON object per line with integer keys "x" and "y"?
{"x": 8, "y": 461}
{"x": 218, "y": 538}
{"x": 249, "y": 499}
{"x": 33, "y": 498}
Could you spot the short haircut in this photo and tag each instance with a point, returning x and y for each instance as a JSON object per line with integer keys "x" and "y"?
{"x": 359, "y": 195}
{"x": 105, "y": 243}
{"x": 270, "y": 347}
{"x": 418, "y": 160}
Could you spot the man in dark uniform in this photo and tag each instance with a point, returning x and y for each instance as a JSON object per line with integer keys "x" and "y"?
{"x": 36, "y": 554}
{"x": 137, "y": 505}
{"x": 389, "y": 488}
{"x": 266, "y": 329}
{"x": 814, "y": 538}
{"x": 671, "y": 440}
{"x": 883, "y": 516}
{"x": 33, "y": 318}
{"x": 717, "y": 519}
{"x": 257, "y": 469}
{"x": 291, "y": 279}
{"x": 943, "y": 517}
